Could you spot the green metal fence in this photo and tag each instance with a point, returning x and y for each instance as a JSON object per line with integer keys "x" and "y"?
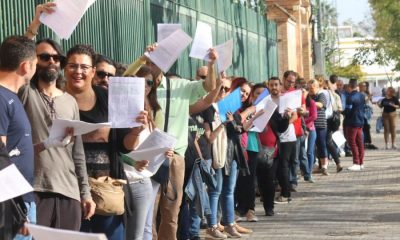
{"x": 121, "y": 29}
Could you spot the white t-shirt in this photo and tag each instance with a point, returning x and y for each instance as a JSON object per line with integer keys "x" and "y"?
{"x": 289, "y": 135}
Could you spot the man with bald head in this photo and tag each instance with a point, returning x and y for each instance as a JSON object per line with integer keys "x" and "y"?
{"x": 201, "y": 73}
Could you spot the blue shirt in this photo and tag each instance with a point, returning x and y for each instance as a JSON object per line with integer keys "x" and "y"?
{"x": 14, "y": 124}
{"x": 355, "y": 110}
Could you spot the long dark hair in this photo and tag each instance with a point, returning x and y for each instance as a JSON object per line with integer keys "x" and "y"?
{"x": 152, "y": 97}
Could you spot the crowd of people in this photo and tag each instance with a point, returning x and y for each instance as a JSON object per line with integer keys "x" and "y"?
{"x": 216, "y": 168}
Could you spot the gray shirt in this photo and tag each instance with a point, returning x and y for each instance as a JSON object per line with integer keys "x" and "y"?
{"x": 59, "y": 170}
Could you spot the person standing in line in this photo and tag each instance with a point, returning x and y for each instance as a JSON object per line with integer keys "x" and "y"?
{"x": 17, "y": 66}
{"x": 354, "y": 118}
{"x": 389, "y": 104}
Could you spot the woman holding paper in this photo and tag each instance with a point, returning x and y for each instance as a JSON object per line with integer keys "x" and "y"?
{"x": 225, "y": 163}
{"x": 103, "y": 145}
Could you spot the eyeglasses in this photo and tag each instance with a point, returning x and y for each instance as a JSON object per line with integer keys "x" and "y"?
{"x": 103, "y": 74}
{"x": 73, "y": 67}
{"x": 149, "y": 82}
{"x": 46, "y": 57}
{"x": 203, "y": 77}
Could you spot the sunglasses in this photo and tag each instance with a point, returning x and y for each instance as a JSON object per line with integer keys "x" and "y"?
{"x": 225, "y": 89}
{"x": 149, "y": 82}
{"x": 103, "y": 74}
{"x": 203, "y": 77}
{"x": 46, "y": 57}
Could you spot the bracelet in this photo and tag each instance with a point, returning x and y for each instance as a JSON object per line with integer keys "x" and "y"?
{"x": 31, "y": 32}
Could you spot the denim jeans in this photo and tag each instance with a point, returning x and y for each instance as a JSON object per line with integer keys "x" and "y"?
{"x": 111, "y": 226}
{"x": 224, "y": 192}
{"x": 191, "y": 228}
{"x": 148, "y": 229}
{"x": 303, "y": 159}
{"x": 321, "y": 143}
{"x": 31, "y": 207}
{"x": 141, "y": 193}
{"x": 312, "y": 136}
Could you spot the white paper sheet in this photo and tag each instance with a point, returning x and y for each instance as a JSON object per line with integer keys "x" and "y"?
{"x": 125, "y": 101}
{"x": 376, "y": 99}
{"x": 153, "y": 149}
{"x": 66, "y": 16}
{"x": 169, "y": 50}
{"x": 12, "y": 183}
{"x": 57, "y": 130}
{"x": 46, "y": 233}
{"x": 268, "y": 109}
{"x": 225, "y": 52}
{"x": 202, "y": 42}
{"x": 338, "y": 138}
{"x": 291, "y": 100}
{"x": 166, "y": 29}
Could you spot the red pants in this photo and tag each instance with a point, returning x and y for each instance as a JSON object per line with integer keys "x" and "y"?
{"x": 355, "y": 140}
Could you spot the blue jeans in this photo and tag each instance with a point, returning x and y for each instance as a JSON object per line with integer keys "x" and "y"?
{"x": 294, "y": 164}
{"x": 31, "y": 207}
{"x": 142, "y": 192}
{"x": 224, "y": 192}
{"x": 312, "y": 136}
{"x": 189, "y": 221}
{"x": 111, "y": 226}
{"x": 303, "y": 158}
{"x": 321, "y": 143}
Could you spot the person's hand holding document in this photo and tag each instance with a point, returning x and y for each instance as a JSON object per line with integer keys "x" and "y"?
{"x": 169, "y": 50}
{"x": 125, "y": 101}
{"x": 290, "y": 100}
{"x": 66, "y": 16}
{"x": 264, "y": 109}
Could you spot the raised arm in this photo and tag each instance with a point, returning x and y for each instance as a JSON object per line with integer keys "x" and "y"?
{"x": 210, "y": 82}
{"x": 32, "y": 29}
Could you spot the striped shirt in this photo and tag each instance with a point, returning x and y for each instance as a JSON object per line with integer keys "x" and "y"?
{"x": 320, "y": 122}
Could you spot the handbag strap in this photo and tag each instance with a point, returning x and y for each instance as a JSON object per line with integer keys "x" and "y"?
{"x": 167, "y": 105}
{"x": 197, "y": 146}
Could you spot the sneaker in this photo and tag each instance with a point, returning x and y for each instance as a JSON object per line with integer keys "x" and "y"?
{"x": 251, "y": 216}
{"x": 269, "y": 212}
{"x": 394, "y": 147}
{"x": 339, "y": 168}
{"x": 232, "y": 231}
{"x": 362, "y": 166}
{"x": 310, "y": 180}
{"x": 355, "y": 167}
{"x": 215, "y": 233}
{"x": 221, "y": 228}
{"x": 239, "y": 218}
{"x": 242, "y": 230}
{"x": 282, "y": 199}
{"x": 324, "y": 171}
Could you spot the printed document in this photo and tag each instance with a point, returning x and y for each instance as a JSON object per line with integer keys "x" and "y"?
{"x": 169, "y": 50}
{"x": 202, "y": 42}
{"x": 291, "y": 100}
{"x": 45, "y": 233}
{"x": 58, "y": 127}
{"x": 166, "y": 29}
{"x": 12, "y": 183}
{"x": 66, "y": 16}
{"x": 225, "y": 52}
{"x": 268, "y": 108}
{"x": 230, "y": 103}
{"x": 125, "y": 101}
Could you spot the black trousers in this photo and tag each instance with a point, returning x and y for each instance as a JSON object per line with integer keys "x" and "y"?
{"x": 279, "y": 170}
{"x": 332, "y": 149}
{"x": 367, "y": 132}
{"x": 245, "y": 193}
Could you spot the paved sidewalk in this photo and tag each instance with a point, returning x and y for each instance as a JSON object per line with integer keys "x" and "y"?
{"x": 347, "y": 205}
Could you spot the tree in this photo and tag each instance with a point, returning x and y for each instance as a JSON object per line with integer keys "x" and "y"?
{"x": 386, "y": 15}
{"x": 349, "y": 71}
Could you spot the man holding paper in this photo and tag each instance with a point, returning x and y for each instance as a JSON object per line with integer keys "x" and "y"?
{"x": 17, "y": 66}
{"x": 185, "y": 93}
{"x": 61, "y": 183}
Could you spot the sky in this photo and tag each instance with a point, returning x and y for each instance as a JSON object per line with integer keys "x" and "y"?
{"x": 354, "y": 9}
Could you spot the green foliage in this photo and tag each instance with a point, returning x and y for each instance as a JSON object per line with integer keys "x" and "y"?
{"x": 386, "y": 15}
{"x": 349, "y": 71}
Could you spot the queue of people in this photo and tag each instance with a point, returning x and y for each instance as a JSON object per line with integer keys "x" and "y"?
{"x": 216, "y": 166}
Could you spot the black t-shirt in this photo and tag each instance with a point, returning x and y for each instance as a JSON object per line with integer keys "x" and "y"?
{"x": 385, "y": 103}
{"x": 196, "y": 127}
{"x": 14, "y": 124}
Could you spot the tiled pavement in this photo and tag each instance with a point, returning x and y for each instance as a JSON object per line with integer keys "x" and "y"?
{"x": 347, "y": 205}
